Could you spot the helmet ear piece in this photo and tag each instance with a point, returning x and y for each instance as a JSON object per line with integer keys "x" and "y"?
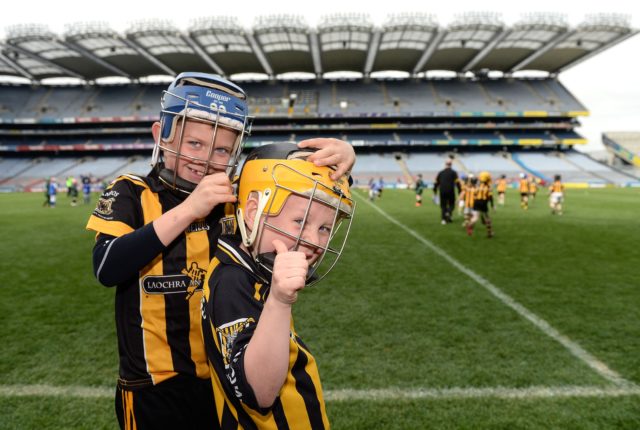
{"x": 250, "y": 213}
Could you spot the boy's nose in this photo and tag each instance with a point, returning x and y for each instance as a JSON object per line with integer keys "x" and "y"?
{"x": 311, "y": 236}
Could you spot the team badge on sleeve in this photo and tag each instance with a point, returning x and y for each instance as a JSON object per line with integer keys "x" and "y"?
{"x": 227, "y": 334}
{"x": 104, "y": 206}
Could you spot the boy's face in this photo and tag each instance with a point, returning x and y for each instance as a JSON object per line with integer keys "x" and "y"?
{"x": 196, "y": 142}
{"x": 317, "y": 227}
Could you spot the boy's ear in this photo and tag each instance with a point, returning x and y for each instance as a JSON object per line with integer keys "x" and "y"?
{"x": 155, "y": 131}
{"x": 250, "y": 209}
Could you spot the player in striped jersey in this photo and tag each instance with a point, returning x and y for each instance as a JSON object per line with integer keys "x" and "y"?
{"x": 533, "y": 188}
{"x": 501, "y": 188}
{"x": 156, "y": 235}
{"x": 556, "y": 196}
{"x": 523, "y": 186}
{"x": 482, "y": 198}
{"x": 466, "y": 198}
{"x": 264, "y": 376}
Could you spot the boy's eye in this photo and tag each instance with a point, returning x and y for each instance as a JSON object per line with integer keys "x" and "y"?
{"x": 325, "y": 229}
{"x": 195, "y": 144}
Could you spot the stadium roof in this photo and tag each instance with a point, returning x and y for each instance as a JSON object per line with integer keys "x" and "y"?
{"x": 279, "y": 44}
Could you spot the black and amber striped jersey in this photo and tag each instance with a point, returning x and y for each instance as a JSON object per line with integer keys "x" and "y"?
{"x": 533, "y": 186}
{"x": 524, "y": 186}
{"x": 234, "y": 296}
{"x": 501, "y": 185}
{"x": 556, "y": 187}
{"x": 158, "y": 311}
{"x": 468, "y": 194}
{"x": 482, "y": 196}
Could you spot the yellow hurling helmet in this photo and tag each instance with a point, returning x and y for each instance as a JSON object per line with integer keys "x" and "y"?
{"x": 273, "y": 173}
{"x": 484, "y": 177}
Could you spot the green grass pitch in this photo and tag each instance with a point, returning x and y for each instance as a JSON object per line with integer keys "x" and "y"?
{"x": 404, "y": 340}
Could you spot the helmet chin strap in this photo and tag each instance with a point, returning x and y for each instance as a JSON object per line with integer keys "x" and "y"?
{"x": 247, "y": 239}
{"x": 184, "y": 186}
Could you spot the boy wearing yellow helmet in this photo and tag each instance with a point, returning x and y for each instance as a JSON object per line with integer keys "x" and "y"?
{"x": 288, "y": 215}
{"x": 482, "y": 198}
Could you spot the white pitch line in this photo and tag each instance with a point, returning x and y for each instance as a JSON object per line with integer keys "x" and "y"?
{"x": 479, "y": 393}
{"x": 42, "y": 390}
{"x": 576, "y": 350}
{"x": 347, "y": 394}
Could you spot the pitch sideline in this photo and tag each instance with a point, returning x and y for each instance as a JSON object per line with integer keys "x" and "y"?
{"x": 342, "y": 395}
{"x": 576, "y": 350}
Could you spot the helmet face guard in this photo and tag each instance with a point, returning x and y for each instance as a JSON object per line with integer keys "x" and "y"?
{"x": 207, "y": 99}
{"x": 275, "y": 181}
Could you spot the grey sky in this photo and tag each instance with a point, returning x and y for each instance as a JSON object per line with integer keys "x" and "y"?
{"x": 606, "y": 84}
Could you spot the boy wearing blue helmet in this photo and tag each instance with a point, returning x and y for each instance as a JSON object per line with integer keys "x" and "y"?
{"x": 155, "y": 237}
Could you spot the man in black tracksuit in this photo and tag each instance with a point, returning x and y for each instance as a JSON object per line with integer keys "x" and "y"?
{"x": 446, "y": 181}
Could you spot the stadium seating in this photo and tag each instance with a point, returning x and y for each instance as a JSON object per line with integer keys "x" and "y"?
{"x": 468, "y": 116}
{"x": 375, "y": 98}
{"x": 377, "y": 166}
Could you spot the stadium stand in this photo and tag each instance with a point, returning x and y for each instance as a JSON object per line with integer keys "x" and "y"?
{"x": 624, "y": 146}
{"x": 504, "y": 124}
{"x": 377, "y": 166}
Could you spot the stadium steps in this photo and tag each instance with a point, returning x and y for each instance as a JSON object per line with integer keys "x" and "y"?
{"x": 334, "y": 95}
{"x": 436, "y": 95}
{"x": 29, "y": 185}
{"x": 19, "y": 172}
{"x": 89, "y": 105}
{"x": 137, "y": 103}
{"x": 582, "y": 169}
{"x": 42, "y": 106}
{"x": 114, "y": 172}
{"x": 408, "y": 177}
{"x": 460, "y": 165}
{"x": 487, "y": 95}
{"x": 556, "y": 101}
{"x": 537, "y": 94}
{"x": 529, "y": 170}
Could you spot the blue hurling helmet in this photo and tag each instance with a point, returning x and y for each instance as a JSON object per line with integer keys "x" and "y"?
{"x": 204, "y": 98}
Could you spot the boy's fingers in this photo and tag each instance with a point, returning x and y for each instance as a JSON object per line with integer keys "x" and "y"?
{"x": 279, "y": 246}
{"x": 326, "y": 160}
{"x": 315, "y": 143}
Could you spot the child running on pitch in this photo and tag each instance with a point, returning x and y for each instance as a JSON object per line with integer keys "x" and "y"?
{"x": 556, "y": 196}
{"x": 501, "y": 188}
{"x": 482, "y": 198}
{"x": 466, "y": 198}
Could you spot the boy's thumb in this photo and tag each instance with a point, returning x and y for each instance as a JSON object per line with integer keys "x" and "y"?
{"x": 279, "y": 246}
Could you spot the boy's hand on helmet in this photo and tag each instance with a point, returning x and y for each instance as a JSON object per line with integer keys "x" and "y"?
{"x": 289, "y": 273}
{"x": 211, "y": 191}
{"x": 331, "y": 152}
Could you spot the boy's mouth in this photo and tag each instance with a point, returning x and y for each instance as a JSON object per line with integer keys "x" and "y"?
{"x": 196, "y": 171}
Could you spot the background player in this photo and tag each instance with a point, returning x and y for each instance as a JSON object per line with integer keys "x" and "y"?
{"x": 53, "y": 191}
{"x": 533, "y": 188}
{"x": 523, "y": 186}
{"x": 501, "y": 188}
{"x": 420, "y": 185}
{"x": 287, "y": 213}
{"x": 466, "y": 198}
{"x": 556, "y": 195}
{"x": 482, "y": 198}
{"x": 156, "y": 236}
